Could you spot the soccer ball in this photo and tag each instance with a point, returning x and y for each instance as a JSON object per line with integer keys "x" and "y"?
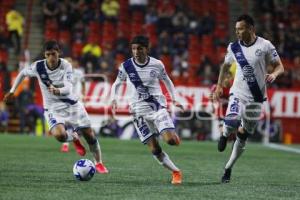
{"x": 84, "y": 170}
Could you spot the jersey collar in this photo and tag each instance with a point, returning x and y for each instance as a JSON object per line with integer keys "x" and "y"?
{"x": 249, "y": 45}
{"x": 58, "y": 64}
{"x": 143, "y": 65}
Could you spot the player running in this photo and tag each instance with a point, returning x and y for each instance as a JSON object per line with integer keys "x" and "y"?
{"x": 61, "y": 106}
{"x": 142, "y": 74}
{"x": 252, "y": 55}
{"x": 78, "y": 90}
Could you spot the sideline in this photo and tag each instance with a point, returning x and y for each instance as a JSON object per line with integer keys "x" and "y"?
{"x": 282, "y": 147}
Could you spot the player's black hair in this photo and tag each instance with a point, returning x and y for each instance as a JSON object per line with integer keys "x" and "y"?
{"x": 140, "y": 39}
{"x": 51, "y": 45}
{"x": 246, "y": 18}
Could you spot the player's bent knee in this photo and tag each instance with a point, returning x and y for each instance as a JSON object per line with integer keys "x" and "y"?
{"x": 243, "y": 136}
{"x": 175, "y": 140}
{"x": 60, "y": 137}
{"x": 91, "y": 140}
{"x": 232, "y": 121}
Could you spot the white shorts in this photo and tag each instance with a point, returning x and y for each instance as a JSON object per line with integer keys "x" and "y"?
{"x": 247, "y": 112}
{"x": 75, "y": 115}
{"x": 156, "y": 122}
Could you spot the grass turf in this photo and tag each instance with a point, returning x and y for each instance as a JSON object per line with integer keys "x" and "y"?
{"x": 33, "y": 168}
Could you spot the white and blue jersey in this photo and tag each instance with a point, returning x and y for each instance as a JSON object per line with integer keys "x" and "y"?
{"x": 58, "y": 108}
{"x": 252, "y": 61}
{"x": 61, "y": 77}
{"x": 146, "y": 100}
{"x": 143, "y": 83}
{"x": 249, "y": 87}
{"x": 78, "y": 78}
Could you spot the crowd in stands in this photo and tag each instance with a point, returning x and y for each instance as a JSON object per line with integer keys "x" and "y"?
{"x": 184, "y": 35}
{"x": 189, "y": 36}
{"x": 279, "y": 21}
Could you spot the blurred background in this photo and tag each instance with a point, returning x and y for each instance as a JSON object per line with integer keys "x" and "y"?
{"x": 189, "y": 36}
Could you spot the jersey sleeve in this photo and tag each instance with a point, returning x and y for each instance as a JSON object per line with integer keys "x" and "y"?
{"x": 122, "y": 74}
{"x": 68, "y": 78}
{"x": 162, "y": 72}
{"x": 118, "y": 82}
{"x": 271, "y": 53}
{"x": 229, "y": 57}
{"x": 30, "y": 70}
{"x": 168, "y": 83}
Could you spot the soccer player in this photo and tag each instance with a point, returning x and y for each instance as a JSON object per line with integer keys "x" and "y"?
{"x": 78, "y": 90}
{"x": 142, "y": 74}
{"x": 61, "y": 106}
{"x": 252, "y": 55}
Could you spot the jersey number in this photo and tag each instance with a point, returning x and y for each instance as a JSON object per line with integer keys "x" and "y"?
{"x": 142, "y": 126}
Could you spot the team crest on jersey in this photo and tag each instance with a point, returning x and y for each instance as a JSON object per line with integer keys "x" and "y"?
{"x": 258, "y": 52}
{"x": 248, "y": 73}
{"x": 43, "y": 75}
{"x": 153, "y": 74}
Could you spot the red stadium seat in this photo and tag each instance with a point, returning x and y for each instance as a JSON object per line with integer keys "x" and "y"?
{"x": 3, "y": 56}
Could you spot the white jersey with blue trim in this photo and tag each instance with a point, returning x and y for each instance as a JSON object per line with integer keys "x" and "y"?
{"x": 61, "y": 78}
{"x": 143, "y": 84}
{"x": 259, "y": 55}
{"x": 78, "y": 78}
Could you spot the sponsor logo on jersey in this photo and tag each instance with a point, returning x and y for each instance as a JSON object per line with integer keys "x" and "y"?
{"x": 248, "y": 73}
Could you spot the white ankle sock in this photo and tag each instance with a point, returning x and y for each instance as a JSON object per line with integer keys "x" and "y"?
{"x": 165, "y": 160}
{"x": 237, "y": 150}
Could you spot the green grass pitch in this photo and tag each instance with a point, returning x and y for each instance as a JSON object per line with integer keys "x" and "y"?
{"x": 33, "y": 168}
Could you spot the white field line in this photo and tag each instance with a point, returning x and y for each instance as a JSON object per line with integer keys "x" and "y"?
{"x": 282, "y": 147}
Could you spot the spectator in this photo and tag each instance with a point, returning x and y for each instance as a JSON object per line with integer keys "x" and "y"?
{"x": 151, "y": 15}
{"x": 110, "y": 10}
{"x": 207, "y": 23}
{"x": 138, "y": 5}
{"x": 64, "y": 18}
{"x": 14, "y": 21}
{"x": 4, "y": 44}
{"x": 25, "y": 98}
{"x": 50, "y": 9}
{"x": 166, "y": 10}
{"x": 180, "y": 21}
{"x": 91, "y": 52}
{"x": 165, "y": 43}
{"x": 121, "y": 44}
{"x": 33, "y": 113}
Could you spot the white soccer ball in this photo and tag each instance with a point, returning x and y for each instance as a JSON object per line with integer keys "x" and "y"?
{"x": 84, "y": 170}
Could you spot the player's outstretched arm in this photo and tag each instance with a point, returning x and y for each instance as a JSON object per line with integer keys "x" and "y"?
{"x": 215, "y": 96}
{"x": 114, "y": 89}
{"x": 10, "y": 95}
{"x": 278, "y": 70}
{"x": 172, "y": 91}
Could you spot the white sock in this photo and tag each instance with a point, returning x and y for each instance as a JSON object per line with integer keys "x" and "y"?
{"x": 237, "y": 150}
{"x": 70, "y": 137}
{"x": 165, "y": 160}
{"x": 96, "y": 151}
{"x": 66, "y": 143}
